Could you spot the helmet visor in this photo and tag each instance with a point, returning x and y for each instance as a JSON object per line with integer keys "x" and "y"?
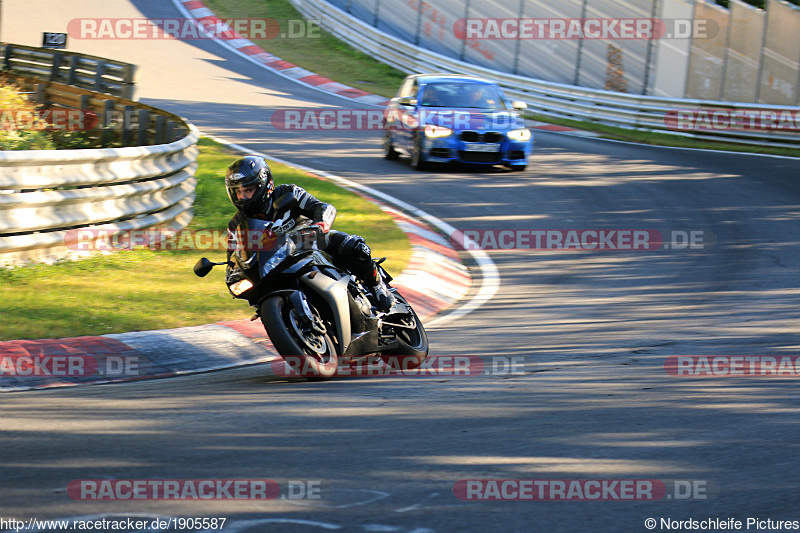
{"x": 241, "y": 193}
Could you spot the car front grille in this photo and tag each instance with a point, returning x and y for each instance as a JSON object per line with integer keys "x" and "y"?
{"x": 479, "y": 157}
{"x": 481, "y": 136}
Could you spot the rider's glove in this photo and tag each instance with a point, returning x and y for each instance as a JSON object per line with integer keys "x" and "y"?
{"x": 324, "y": 226}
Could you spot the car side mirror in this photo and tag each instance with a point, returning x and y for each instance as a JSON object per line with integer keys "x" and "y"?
{"x": 407, "y": 100}
{"x": 519, "y": 105}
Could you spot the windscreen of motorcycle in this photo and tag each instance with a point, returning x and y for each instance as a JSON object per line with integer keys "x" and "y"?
{"x": 256, "y": 243}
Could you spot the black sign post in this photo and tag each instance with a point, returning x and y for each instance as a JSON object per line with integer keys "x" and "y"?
{"x": 54, "y": 40}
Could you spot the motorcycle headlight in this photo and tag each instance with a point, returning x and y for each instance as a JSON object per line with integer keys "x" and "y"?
{"x": 241, "y": 286}
{"x": 521, "y": 135}
{"x": 434, "y": 131}
{"x": 288, "y": 248}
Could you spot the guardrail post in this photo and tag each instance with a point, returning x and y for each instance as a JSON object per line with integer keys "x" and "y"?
{"x": 144, "y": 124}
{"x": 41, "y": 93}
{"x": 464, "y": 41}
{"x": 654, "y": 9}
{"x": 7, "y": 56}
{"x": 376, "y": 15}
{"x": 128, "y": 79}
{"x": 421, "y": 6}
{"x": 579, "y": 54}
{"x": 73, "y": 66}
{"x": 127, "y": 125}
{"x": 170, "y": 131}
{"x": 161, "y": 130}
{"x": 56, "y": 66}
{"x": 108, "y": 110}
{"x": 515, "y": 67}
{"x": 99, "y": 86}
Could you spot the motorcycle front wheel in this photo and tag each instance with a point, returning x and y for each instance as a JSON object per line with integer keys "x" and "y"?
{"x": 309, "y": 352}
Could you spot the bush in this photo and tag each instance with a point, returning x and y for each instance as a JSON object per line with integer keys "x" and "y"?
{"x": 14, "y": 136}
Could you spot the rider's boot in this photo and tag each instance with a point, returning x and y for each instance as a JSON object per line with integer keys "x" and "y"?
{"x": 355, "y": 255}
{"x": 383, "y": 296}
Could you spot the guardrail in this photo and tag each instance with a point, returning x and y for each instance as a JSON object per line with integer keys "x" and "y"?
{"x": 88, "y": 72}
{"x": 556, "y": 100}
{"x": 44, "y": 194}
{"x": 110, "y": 121}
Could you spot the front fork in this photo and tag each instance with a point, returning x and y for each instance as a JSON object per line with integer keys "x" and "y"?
{"x": 304, "y": 315}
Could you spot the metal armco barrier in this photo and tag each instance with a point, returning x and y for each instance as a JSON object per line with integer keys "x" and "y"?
{"x": 46, "y": 193}
{"x": 547, "y": 98}
{"x": 120, "y": 121}
{"x": 79, "y": 70}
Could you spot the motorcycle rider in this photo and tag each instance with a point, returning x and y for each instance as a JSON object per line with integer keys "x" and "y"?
{"x": 252, "y": 191}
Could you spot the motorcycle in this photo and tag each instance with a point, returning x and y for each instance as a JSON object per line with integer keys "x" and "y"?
{"x": 317, "y": 315}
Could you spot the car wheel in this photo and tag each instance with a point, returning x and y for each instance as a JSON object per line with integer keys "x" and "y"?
{"x": 417, "y": 158}
{"x": 389, "y": 152}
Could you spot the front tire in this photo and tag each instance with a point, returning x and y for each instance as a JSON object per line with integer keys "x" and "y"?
{"x": 389, "y": 153}
{"x": 310, "y": 353}
{"x": 417, "y": 157}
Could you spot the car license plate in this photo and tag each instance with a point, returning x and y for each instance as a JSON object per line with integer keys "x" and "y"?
{"x": 478, "y": 147}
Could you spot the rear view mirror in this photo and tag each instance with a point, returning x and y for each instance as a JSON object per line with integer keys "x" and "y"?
{"x": 203, "y": 267}
{"x": 407, "y": 100}
{"x": 519, "y": 105}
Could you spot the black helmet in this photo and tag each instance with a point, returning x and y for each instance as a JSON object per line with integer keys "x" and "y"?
{"x": 250, "y": 171}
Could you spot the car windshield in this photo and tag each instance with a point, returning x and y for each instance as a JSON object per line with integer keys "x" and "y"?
{"x": 463, "y": 95}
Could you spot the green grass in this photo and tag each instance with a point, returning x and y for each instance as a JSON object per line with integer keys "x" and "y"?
{"x": 322, "y": 53}
{"x": 144, "y": 289}
{"x": 334, "y": 59}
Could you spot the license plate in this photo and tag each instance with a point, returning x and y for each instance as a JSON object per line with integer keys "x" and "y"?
{"x": 478, "y": 147}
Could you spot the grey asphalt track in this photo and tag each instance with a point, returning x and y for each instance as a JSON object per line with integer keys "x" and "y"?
{"x": 594, "y": 329}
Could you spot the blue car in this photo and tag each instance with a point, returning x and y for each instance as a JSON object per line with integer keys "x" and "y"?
{"x": 444, "y": 118}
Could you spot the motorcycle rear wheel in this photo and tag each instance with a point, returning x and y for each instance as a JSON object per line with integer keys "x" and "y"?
{"x": 310, "y": 354}
{"x": 413, "y": 343}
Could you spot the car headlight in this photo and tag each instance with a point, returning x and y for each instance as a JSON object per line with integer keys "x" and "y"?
{"x": 434, "y": 131}
{"x": 241, "y": 286}
{"x": 522, "y": 135}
